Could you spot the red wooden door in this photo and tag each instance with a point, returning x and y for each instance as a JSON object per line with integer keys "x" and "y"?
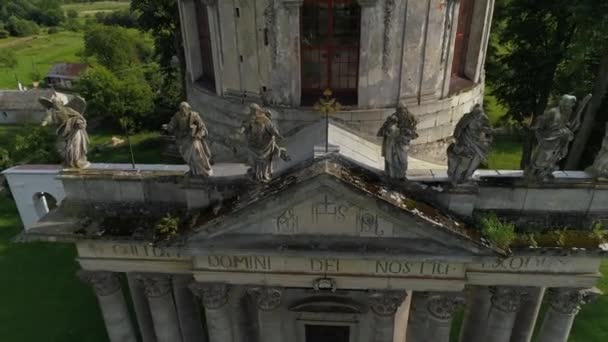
{"x": 330, "y": 34}
{"x": 465, "y": 15}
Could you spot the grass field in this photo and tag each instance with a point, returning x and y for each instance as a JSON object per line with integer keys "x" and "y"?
{"x": 39, "y": 53}
{"x": 91, "y": 8}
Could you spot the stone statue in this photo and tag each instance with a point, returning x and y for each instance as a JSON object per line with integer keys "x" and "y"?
{"x": 398, "y": 131}
{"x": 473, "y": 142}
{"x": 553, "y": 136}
{"x": 190, "y": 134}
{"x": 261, "y": 135}
{"x": 599, "y": 168}
{"x": 72, "y": 137}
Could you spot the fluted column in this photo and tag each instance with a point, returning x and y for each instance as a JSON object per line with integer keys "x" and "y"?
{"x": 506, "y": 301}
{"x": 188, "y": 312}
{"x": 523, "y": 329}
{"x": 384, "y": 305}
{"x": 475, "y": 314}
{"x": 441, "y": 308}
{"x": 214, "y": 297}
{"x": 564, "y": 304}
{"x": 268, "y": 300}
{"x": 416, "y": 325}
{"x": 141, "y": 308}
{"x": 158, "y": 289}
{"x": 112, "y": 303}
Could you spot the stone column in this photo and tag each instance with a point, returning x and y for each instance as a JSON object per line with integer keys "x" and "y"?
{"x": 564, "y": 304}
{"x": 142, "y": 309}
{"x": 112, "y": 302}
{"x": 441, "y": 308}
{"x": 416, "y": 325}
{"x": 158, "y": 289}
{"x": 475, "y": 314}
{"x": 526, "y": 317}
{"x": 506, "y": 301}
{"x": 268, "y": 300}
{"x": 214, "y": 297}
{"x": 188, "y": 313}
{"x": 384, "y": 305}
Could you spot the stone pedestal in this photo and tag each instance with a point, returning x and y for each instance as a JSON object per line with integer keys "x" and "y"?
{"x": 475, "y": 315}
{"x": 214, "y": 297}
{"x": 564, "y": 304}
{"x": 268, "y": 301}
{"x": 188, "y": 312}
{"x": 523, "y": 329}
{"x": 506, "y": 301}
{"x": 142, "y": 309}
{"x": 157, "y": 288}
{"x": 416, "y": 325}
{"x": 384, "y": 305}
{"x": 113, "y": 306}
{"x": 441, "y": 308}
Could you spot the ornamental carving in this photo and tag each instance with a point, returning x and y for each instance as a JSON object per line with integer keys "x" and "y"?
{"x": 569, "y": 301}
{"x": 155, "y": 285}
{"x": 386, "y": 303}
{"x": 443, "y": 307}
{"x": 266, "y": 298}
{"x": 104, "y": 283}
{"x": 507, "y": 299}
{"x": 389, "y": 10}
{"x": 213, "y": 295}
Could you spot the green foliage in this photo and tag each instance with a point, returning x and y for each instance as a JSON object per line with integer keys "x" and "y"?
{"x": 3, "y": 32}
{"x": 124, "y": 18}
{"x": 43, "y": 12}
{"x": 8, "y": 59}
{"x": 498, "y": 232}
{"x": 52, "y": 30}
{"x": 36, "y": 145}
{"x": 115, "y": 48}
{"x": 22, "y": 27}
{"x": 72, "y": 14}
{"x": 167, "y": 226}
{"x": 5, "y": 160}
{"x": 72, "y": 24}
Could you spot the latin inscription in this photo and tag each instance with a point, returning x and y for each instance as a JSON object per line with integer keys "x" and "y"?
{"x": 234, "y": 262}
{"x": 126, "y": 251}
{"x": 414, "y": 268}
{"x": 524, "y": 263}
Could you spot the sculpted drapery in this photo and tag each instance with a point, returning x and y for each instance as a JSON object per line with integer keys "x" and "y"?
{"x": 398, "y": 131}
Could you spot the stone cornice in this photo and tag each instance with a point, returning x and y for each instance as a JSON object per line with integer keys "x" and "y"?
{"x": 292, "y": 5}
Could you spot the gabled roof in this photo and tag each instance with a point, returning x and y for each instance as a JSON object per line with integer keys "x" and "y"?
{"x": 67, "y": 70}
{"x": 23, "y": 100}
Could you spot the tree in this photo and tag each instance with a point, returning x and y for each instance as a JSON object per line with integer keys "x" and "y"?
{"x": 8, "y": 59}
{"x": 115, "y": 48}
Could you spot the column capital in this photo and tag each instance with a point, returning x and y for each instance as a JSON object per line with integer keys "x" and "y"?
{"x": 104, "y": 283}
{"x": 155, "y": 285}
{"x": 507, "y": 298}
{"x": 292, "y": 6}
{"x": 213, "y": 295}
{"x": 367, "y": 3}
{"x": 443, "y": 306}
{"x": 267, "y": 298}
{"x": 569, "y": 300}
{"x": 386, "y": 303}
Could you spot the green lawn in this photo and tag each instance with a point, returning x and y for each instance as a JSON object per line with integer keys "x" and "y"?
{"x": 506, "y": 154}
{"x": 39, "y": 53}
{"x": 148, "y": 148}
{"x": 91, "y": 8}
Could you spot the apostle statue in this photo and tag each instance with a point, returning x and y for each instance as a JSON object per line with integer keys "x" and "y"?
{"x": 261, "y": 135}
{"x": 397, "y": 132}
{"x": 473, "y": 142}
{"x": 553, "y": 136}
{"x": 72, "y": 137}
{"x": 190, "y": 134}
{"x": 599, "y": 168}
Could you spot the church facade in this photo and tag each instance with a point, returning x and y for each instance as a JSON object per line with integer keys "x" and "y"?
{"x": 373, "y": 55}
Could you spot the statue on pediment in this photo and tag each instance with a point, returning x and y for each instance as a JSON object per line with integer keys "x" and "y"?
{"x": 397, "y": 132}
{"x": 261, "y": 135}
{"x": 190, "y": 134}
{"x": 72, "y": 137}
{"x": 473, "y": 142}
{"x": 553, "y": 136}
{"x": 600, "y": 165}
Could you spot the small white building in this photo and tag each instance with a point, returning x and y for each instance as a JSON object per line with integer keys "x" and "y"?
{"x": 22, "y": 107}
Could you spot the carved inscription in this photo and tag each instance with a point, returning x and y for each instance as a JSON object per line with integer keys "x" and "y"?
{"x": 235, "y": 262}
{"x": 397, "y": 267}
{"x": 126, "y": 251}
{"x": 524, "y": 263}
{"x": 326, "y": 208}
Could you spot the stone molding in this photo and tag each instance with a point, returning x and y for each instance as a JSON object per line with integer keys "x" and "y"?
{"x": 507, "y": 298}
{"x": 104, "y": 283}
{"x": 213, "y": 295}
{"x": 443, "y": 306}
{"x": 292, "y": 6}
{"x": 568, "y": 301}
{"x": 386, "y": 303}
{"x": 368, "y": 3}
{"x": 155, "y": 285}
{"x": 267, "y": 298}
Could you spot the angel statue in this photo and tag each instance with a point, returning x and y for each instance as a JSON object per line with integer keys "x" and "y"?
{"x": 397, "y": 132}
{"x": 261, "y": 135}
{"x": 72, "y": 137}
{"x": 190, "y": 134}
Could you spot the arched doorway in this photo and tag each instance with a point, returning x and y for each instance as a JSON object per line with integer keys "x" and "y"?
{"x": 330, "y": 35}
{"x": 43, "y": 203}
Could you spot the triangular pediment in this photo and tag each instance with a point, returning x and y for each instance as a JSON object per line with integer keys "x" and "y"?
{"x": 328, "y": 212}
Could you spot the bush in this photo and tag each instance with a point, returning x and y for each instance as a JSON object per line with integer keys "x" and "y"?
{"x": 499, "y": 233}
{"x": 124, "y": 18}
{"x": 72, "y": 14}
{"x": 3, "y": 33}
{"x": 8, "y": 59}
{"x": 72, "y": 24}
{"x": 36, "y": 145}
{"x": 22, "y": 27}
{"x": 52, "y": 30}
{"x": 5, "y": 160}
